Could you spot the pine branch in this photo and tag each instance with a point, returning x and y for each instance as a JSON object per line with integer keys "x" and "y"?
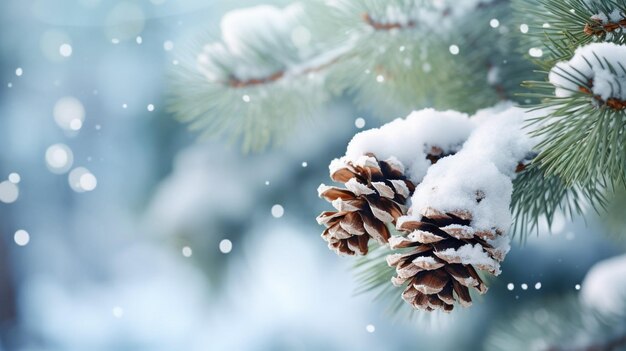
{"x": 560, "y": 26}
{"x": 391, "y": 64}
{"x": 386, "y": 26}
{"x": 581, "y": 135}
{"x": 614, "y": 220}
{"x": 580, "y": 139}
{"x": 537, "y": 195}
{"x": 601, "y": 29}
{"x": 315, "y": 67}
{"x": 612, "y": 103}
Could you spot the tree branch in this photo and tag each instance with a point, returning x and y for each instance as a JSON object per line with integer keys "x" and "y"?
{"x": 235, "y": 82}
{"x": 386, "y": 26}
{"x": 613, "y": 103}
{"x": 600, "y": 28}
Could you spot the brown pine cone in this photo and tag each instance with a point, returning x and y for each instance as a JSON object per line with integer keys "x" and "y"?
{"x": 441, "y": 253}
{"x": 375, "y": 194}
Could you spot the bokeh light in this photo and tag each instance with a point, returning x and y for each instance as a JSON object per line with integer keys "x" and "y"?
{"x": 82, "y": 180}
{"x": 21, "y": 237}
{"x": 9, "y": 192}
{"x": 59, "y": 158}
{"x": 69, "y": 113}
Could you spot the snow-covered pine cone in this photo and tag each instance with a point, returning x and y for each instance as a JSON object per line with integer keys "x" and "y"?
{"x": 375, "y": 194}
{"x": 439, "y": 258}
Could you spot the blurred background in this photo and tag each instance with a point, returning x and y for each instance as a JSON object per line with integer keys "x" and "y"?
{"x": 121, "y": 231}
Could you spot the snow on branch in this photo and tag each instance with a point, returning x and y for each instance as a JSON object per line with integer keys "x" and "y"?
{"x": 472, "y": 177}
{"x": 261, "y": 45}
{"x": 477, "y": 180}
{"x": 410, "y": 14}
{"x": 271, "y": 66}
{"x": 606, "y": 23}
{"x": 486, "y": 163}
{"x": 413, "y": 139}
{"x": 558, "y": 27}
{"x": 387, "y": 26}
{"x": 483, "y": 156}
{"x": 598, "y": 70}
{"x": 580, "y": 120}
{"x": 460, "y": 172}
{"x": 405, "y": 49}
{"x": 264, "y": 74}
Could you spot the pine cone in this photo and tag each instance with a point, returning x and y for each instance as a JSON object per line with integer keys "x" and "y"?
{"x": 375, "y": 194}
{"x": 443, "y": 253}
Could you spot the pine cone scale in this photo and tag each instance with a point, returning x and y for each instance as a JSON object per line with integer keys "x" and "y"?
{"x": 384, "y": 190}
{"x": 462, "y": 293}
{"x": 428, "y": 263}
{"x": 375, "y": 228}
{"x": 335, "y": 231}
{"x": 446, "y": 294}
{"x": 466, "y": 232}
{"x": 358, "y": 188}
{"x": 391, "y": 171}
{"x": 352, "y": 223}
{"x": 407, "y": 270}
{"x": 384, "y": 209}
{"x": 430, "y": 282}
{"x": 343, "y": 175}
{"x": 379, "y": 210}
{"x": 331, "y": 193}
{"x": 329, "y": 218}
{"x": 349, "y": 205}
{"x": 402, "y": 188}
{"x": 426, "y": 237}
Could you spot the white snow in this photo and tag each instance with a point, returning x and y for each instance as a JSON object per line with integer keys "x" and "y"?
{"x": 425, "y": 260}
{"x": 611, "y": 17}
{"x": 248, "y": 32}
{"x": 604, "y": 64}
{"x": 434, "y": 14}
{"x": 604, "y": 287}
{"x": 478, "y": 180}
{"x": 253, "y": 21}
{"x": 357, "y": 188}
{"x": 394, "y": 14}
{"x": 617, "y": 15}
{"x": 499, "y": 137}
{"x": 472, "y": 255}
{"x": 263, "y": 33}
{"x": 493, "y": 75}
{"x": 408, "y": 140}
{"x": 492, "y": 141}
{"x": 485, "y": 164}
{"x": 452, "y": 183}
{"x": 445, "y": 14}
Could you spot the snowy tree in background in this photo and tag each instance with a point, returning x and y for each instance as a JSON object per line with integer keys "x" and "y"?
{"x": 516, "y": 114}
